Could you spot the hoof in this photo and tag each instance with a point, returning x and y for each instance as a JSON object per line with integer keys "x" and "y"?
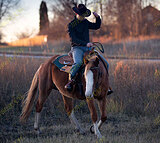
{"x": 37, "y": 131}
{"x": 99, "y": 136}
{"x": 82, "y": 132}
{"x": 92, "y": 129}
{"x": 110, "y": 92}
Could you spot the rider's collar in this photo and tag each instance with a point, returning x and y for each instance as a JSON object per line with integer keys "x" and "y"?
{"x": 78, "y": 19}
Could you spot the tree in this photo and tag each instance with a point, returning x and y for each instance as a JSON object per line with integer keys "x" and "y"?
{"x": 63, "y": 14}
{"x": 44, "y": 22}
{"x": 63, "y": 8}
{"x": 6, "y": 6}
{"x": 126, "y": 15}
{"x": 27, "y": 33}
{"x": 119, "y": 17}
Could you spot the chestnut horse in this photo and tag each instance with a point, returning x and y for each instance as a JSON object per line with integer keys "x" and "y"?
{"x": 49, "y": 77}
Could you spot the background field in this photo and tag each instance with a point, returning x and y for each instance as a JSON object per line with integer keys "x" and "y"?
{"x": 133, "y": 110}
{"x": 130, "y": 33}
{"x": 145, "y": 47}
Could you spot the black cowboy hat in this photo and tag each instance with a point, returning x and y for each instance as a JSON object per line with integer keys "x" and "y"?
{"x": 82, "y": 10}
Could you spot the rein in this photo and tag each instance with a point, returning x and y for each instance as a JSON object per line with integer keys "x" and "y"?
{"x": 99, "y": 75}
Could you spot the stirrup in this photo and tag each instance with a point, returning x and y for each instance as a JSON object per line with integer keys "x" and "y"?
{"x": 69, "y": 85}
{"x": 109, "y": 92}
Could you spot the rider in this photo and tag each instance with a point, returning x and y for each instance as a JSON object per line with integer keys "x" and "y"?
{"x": 78, "y": 30}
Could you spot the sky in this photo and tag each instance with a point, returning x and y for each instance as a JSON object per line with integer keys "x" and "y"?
{"x": 25, "y": 18}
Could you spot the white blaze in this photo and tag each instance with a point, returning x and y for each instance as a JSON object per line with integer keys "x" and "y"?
{"x": 89, "y": 83}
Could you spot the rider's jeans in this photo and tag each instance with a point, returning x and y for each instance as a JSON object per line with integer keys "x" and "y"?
{"x": 78, "y": 53}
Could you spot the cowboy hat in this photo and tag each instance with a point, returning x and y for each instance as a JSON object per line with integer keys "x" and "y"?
{"x": 82, "y": 10}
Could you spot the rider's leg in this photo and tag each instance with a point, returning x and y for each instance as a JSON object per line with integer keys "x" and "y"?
{"x": 77, "y": 53}
{"x": 78, "y": 60}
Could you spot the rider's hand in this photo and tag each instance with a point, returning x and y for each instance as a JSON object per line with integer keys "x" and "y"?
{"x": 95, "y": 14}
{"x": 89, "y": 44}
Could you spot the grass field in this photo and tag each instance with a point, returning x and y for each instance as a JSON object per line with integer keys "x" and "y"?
{"x": 133, "y": 110}
{"x": 58, "y": 47}
{"x": 139, "y": 48}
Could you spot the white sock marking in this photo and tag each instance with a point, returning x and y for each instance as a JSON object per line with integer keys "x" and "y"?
{"x": 37, "y": 117}
{"x": 89, "y": 84}
{"x": 96, "y": 130}
{"x": 75, "y": 122}
{"x": 100, "y": 124}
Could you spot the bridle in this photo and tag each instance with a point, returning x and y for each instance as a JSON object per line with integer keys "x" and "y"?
{"x": 99, "y": 46}
{"x": 99, "y": 73}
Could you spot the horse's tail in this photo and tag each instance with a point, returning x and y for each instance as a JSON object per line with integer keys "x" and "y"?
{"x": 30, "y": 97}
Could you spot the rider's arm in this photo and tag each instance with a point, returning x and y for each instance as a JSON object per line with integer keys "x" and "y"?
{"x": 96, "y": 25}
{"x": 74, "y": 38}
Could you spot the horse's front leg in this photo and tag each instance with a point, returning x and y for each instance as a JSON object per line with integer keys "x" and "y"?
{"x": 93, "y": 112}
{"x": 68, "y": 103}
{"x": 102, "y": 107}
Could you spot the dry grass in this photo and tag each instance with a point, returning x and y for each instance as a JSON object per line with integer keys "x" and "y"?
{"x": 132, "y": 109}
{"x": 140, "y": 47}
{"x": 105, "y": 39}
{"x": 137, "y": 86}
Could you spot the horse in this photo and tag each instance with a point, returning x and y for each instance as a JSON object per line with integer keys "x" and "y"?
{"x": 49, "y": 76}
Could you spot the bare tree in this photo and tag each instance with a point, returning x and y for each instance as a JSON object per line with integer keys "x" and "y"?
{"x": 64, "y": 8}
{"x": 6, "y": 6}
{"x": 63, "y": 14}
{"x": 126, "y": 15}
{"x": 25, "y": 34}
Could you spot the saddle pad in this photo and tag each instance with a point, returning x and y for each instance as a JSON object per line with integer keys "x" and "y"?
{"x": 66, "y": 60}
{"x": 64, "y": 63}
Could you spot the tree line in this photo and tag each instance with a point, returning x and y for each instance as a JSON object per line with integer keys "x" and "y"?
{"x": 120, "y": 18}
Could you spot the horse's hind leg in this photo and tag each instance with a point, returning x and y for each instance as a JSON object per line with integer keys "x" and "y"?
{"x": 68, "y": 103}
{"x": 45, "y": 87}
{"x": 43, "y": 94}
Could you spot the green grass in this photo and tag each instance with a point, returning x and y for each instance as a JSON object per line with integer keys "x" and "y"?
{"x": 133, "y": 110}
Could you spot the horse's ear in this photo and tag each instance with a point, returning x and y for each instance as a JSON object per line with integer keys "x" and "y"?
{"x": 96, "y": 62}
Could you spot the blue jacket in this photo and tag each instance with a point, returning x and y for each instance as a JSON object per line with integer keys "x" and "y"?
{"x": 79, "y": 31}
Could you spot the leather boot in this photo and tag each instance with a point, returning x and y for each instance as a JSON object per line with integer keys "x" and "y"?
{"x": 110, "y": 91}
{"x": 69, "y": 85}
